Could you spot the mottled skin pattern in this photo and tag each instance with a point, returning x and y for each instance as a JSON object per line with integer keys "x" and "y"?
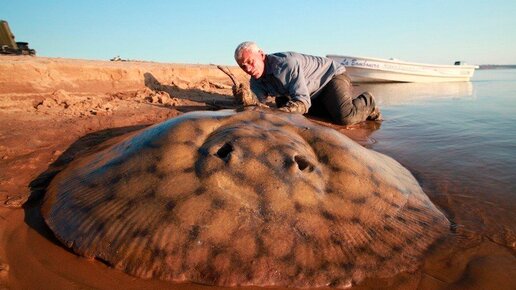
{"x": 250, "y": 198}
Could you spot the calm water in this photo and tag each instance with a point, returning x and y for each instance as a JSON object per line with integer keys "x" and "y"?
{"x": 459, "y": 140}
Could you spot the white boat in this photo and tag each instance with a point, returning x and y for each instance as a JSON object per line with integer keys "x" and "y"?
{"x": 375, "y": 70}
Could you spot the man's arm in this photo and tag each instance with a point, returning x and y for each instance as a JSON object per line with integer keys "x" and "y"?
{"x": 296, "y": 83}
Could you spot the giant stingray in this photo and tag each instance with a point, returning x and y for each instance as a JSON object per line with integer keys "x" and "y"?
{"x": 250, "y": 198}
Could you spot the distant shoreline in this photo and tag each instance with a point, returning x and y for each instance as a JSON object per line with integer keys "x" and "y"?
{"x": 497, "y": 66}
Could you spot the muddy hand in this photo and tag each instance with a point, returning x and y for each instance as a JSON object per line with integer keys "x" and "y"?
{"x": 242, "y": 92}
{"x": 245, "y": 97}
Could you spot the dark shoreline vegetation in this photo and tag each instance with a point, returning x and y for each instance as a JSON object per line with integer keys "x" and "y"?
{"x": 497, "y": 66}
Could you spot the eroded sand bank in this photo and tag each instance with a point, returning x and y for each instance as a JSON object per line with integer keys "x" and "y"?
{"x": 54, "y": 109}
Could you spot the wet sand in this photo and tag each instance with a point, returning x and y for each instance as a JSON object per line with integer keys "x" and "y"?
{"x": 55, "y": 109}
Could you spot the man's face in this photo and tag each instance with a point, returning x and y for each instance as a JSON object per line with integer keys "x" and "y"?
{"x": 252, "y": 62}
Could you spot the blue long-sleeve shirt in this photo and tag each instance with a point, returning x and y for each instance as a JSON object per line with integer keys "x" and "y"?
{"x": 299, "y": 76}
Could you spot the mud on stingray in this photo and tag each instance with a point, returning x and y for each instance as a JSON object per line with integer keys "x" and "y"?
{"x": 250, "y": 198}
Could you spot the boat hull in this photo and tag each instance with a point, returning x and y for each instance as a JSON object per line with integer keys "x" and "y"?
{"x": 373, "y": 70}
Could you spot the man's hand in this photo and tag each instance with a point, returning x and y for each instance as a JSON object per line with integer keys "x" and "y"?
{"x": 244, "y": 96}
{"x": 241, "y": 91}
{"x": 238, "y": 92}
{"x": 294, "y": 106}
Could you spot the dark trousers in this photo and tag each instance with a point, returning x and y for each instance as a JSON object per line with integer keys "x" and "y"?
{"x": 336, "y": 100}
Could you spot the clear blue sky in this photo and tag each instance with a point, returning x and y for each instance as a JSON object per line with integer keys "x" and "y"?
{"x": 195, "y": 31}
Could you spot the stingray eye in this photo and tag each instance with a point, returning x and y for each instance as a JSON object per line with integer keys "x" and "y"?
{"x": 303, "y": 163}
{"x": 224, "y": 151}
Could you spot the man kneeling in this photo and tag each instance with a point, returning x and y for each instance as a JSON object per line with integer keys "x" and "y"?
{"x": 305, "y": 84}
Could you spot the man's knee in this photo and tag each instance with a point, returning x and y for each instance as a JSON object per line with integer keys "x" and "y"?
{"x": 367, "y": 98}
{"x": 340, "y": 85}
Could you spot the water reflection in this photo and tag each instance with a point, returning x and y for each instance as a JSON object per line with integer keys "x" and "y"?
{"x": 403, "y": 93}
{"x": 392, "y": 94}
{"x": 458, "y": 140}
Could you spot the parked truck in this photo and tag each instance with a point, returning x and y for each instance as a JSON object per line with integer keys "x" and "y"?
{"x": 9, "y": 46}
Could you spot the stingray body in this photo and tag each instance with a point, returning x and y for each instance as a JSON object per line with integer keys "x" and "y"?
{"x": 249, "y": 198}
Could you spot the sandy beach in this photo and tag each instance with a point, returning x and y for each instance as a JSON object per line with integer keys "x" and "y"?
{"x": 53, "y": 110}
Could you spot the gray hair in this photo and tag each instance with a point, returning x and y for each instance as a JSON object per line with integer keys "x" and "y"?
{"x": 247, "y": 45}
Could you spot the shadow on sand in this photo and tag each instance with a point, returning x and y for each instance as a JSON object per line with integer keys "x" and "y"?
{"x": 211, "y": 100}
{"x": 86, "y": 145}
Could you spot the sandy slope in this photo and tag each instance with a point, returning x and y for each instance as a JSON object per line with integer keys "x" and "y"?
{"x": 46, "y": 104}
